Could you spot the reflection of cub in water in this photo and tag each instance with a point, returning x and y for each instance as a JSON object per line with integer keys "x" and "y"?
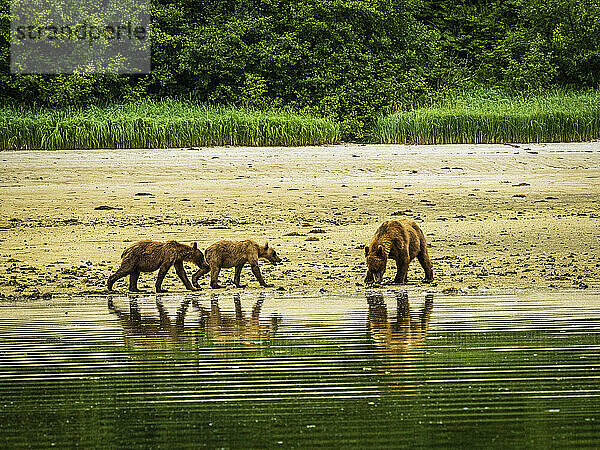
{"x": 226, "y": 328}
{"x": 398, "y": 339}
{"x": 189, "y": 330}
{"x": 149, "y": 329}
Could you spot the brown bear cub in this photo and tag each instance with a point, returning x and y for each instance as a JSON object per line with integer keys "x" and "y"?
{"x": 148, "y": 256}
{"x": 227, "y": 254}
{"x": 401, "y": 240}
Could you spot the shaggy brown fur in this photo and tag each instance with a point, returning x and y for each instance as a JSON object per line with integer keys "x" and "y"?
{"x": 148, "y": 256}
{"x": 227, "y": 254}
{"x": 401, "y": 240}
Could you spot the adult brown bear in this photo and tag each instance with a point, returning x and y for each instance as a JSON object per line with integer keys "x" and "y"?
{"x": 148, "y": 256}
{"x": 401, "y": 240}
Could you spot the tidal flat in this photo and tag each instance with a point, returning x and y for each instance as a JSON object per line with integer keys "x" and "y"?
{"x": 497, "y": 217}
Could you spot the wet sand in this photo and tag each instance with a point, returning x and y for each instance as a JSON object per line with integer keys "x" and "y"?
{"x": 496, "y": 216}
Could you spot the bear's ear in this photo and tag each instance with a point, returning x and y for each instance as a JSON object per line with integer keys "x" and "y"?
{"x": 380, "y": 251}
{"x": 366, "y": 250}
{"x": 266, "y": 245}
{"x": 195, "y": 246}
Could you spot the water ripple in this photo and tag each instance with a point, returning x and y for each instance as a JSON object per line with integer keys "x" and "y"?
{"x": 263, "y": 371}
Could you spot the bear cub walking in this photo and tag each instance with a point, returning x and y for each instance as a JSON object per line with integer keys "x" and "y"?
{"x": 401, "y": 240}
{"x": 227, "y": 254}
{"x": 149, "y": 256}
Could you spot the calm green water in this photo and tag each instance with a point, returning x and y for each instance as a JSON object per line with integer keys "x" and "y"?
{"x": 352, "y": 371}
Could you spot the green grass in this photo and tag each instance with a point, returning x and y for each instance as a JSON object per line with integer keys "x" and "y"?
{"x": 161, "y": 124}
{"x": 489, "y": 117}
{"x": 485, "y": 116}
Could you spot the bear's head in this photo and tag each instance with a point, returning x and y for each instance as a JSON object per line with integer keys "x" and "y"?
{"x": 270, "y": 254}
{"x": 376, "y": 263}
{"x": 197, "y": 257}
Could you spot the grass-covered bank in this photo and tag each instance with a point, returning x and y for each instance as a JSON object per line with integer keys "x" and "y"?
{"x": 483, "y": 116}
{"x": 491, "y": 118}
{"x": 158, "y": 125}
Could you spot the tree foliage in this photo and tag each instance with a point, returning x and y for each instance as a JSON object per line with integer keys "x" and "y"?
{"x": 351, "y": 60}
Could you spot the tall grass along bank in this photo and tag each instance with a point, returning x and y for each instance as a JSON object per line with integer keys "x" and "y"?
{"x": 559, "y": 117}
{"x": 158, "y": 125}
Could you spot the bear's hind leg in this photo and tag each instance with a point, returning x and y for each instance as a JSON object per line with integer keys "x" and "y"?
{"x": 133, "y": 279}
{"x": 121, "y": 273}
{"x": 127, "y": 267}
{"x": 214, "y": 277}
{"x": 199, "y": 274}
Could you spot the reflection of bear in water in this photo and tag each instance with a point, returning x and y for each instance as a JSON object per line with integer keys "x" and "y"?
{"x": 401, "y": 240}
{"x": 212, "y": 323}
{"x": 149, "y": 256}
{"x": 398, "y": 335}
{"x": 229, "y": 328}
{"x": 227, "y": 254}
{"x": 135, "y": 324}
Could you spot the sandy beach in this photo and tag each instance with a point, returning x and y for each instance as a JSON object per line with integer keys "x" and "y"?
{"x": 496, "y": 216}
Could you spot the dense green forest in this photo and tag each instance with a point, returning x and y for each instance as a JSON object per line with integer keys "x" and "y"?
{"x": 348, "y": 60}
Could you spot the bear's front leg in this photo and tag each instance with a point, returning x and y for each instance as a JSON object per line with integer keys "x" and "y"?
{"x": 238, "y": 274}
{"x": 180, "y": 270}
{"x": 161, "y": 276}
{"x": 258, "y": 275}
{"x": 402, "y": 269}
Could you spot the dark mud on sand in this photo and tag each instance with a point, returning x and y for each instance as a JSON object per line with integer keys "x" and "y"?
{"x": 368, "y": 370}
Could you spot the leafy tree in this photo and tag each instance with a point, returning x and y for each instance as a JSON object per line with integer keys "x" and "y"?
{"x": 351, "y": 60}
